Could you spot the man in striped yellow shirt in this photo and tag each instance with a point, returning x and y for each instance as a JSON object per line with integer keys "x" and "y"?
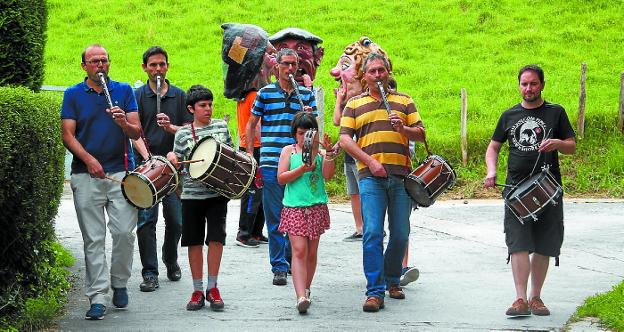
{"x": 382, "y": 123}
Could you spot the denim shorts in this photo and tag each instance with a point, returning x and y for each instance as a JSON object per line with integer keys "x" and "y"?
{"x": 351, "y": 174}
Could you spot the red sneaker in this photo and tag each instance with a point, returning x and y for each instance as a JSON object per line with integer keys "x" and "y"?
{"x": 196, "y": 302}
{"x": 213, "y": 296}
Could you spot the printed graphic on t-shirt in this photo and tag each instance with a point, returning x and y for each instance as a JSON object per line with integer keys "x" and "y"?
{"x": 528, "y": 133}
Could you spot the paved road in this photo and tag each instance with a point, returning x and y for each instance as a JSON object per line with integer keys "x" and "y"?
{"x": 458, "y": 247}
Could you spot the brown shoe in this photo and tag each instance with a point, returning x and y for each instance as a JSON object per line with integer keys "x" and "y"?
{"x": 537, "y": 307}
{"x": 519, "y": 308}
{"x": 396, "y": 292}
{"x": 373, "y": 304}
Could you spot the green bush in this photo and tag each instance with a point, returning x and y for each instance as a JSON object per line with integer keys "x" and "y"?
{"x": 23, "y": 30}
{"x": 32, "y": 172}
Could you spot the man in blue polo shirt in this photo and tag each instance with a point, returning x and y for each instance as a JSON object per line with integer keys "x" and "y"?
{"x": 276, "y": 104}
{"x": 98, "y": 137}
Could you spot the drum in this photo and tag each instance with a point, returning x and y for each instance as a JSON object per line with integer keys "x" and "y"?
{"x": 430, "y": 180}
{"x": 149, "y": 183}
{"x": 223, "y": 169}
{"x": 528, "y": 198}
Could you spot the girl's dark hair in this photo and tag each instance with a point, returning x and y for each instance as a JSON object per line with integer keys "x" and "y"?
{"x": 197, "y": 93}
{"x": 303, "y": 120}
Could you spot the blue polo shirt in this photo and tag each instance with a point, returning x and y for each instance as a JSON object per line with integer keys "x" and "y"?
{"x": 277, "y": 109}
{"x": 95, "y": 128}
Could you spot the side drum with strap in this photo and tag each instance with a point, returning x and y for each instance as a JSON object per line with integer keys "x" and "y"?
{"x": 429, "y": 180}
{"x": 149, "y": 183}
{"x": 222, "y": 169}
{"x": 528, "y": 198}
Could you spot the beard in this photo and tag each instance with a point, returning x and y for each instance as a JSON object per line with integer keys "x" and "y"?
{"x": 532, "y": 98}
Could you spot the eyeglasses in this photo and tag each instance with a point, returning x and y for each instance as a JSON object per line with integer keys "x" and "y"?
{"x": 95, "y": 62}
{"x": 288, "y": 64}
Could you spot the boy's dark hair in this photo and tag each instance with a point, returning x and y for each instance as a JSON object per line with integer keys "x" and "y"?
{"x": 153, "y": 51}
{"x": 534, "y": 68}
{"x": 197, "y": 93}
{"x": 303, "y": 120}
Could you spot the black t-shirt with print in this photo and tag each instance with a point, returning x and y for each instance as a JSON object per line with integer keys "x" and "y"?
{"x": 525, "y": 129}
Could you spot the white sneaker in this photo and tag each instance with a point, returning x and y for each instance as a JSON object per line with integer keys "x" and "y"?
{"x": 303, "y": 304}
{"x": 410, "y": 275}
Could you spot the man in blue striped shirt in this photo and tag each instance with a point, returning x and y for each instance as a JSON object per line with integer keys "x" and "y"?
{"x": 275, "y": 106}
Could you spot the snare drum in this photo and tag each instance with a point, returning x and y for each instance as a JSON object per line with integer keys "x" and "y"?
{"x": 223, "y": 169}
{"x": 528, "y": 199}
{"x": 430, "y": 180}
{"x": 149, "y": 183}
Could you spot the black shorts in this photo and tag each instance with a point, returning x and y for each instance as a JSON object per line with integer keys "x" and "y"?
{"x": 196, "y": 214}
{"x": 544, "y": 236}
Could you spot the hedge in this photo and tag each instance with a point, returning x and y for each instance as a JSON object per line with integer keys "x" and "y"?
{"x": 31, "y": 169}
{"x": 23, "y": 30}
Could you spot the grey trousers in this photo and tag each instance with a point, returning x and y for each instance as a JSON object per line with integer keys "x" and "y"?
{"x": 92, "y": 198}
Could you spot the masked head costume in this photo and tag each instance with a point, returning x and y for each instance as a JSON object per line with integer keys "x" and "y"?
{"x": 306, "y": 45}
{"x": 349, "y": 72}
{"x": 247, "y": 59}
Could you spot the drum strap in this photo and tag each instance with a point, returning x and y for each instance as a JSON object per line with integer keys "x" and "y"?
{"x": 126, "y": 155}
{"x": 149, "y": 153}
{"x": 409, "y": 163}
{"x": 193, "y": 132}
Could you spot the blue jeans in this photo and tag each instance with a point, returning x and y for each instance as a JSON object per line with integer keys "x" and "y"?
{"x": 379, "y": 195}
{"x": 146, "y": 234}
{"x": 272, "y": 196}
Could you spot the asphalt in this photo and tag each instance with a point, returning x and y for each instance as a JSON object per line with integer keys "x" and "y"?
{"x": 464, "y": 285}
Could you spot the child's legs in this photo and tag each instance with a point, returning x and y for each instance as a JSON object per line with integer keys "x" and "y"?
{"x": 193, "y": 230}
{"x": 195, "y": 256}
{"x": 299, "y": 265}
{"x": 406, "y": 257}
{"x": 215, "y": 236}
{"x": 215, "y": 252}
{"x": 311, "y": 261}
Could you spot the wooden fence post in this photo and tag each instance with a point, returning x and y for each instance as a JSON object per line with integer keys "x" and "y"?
{"x": 464, "y": 140}
{"x": 580, "y": 125}
{"x": 621, "y": 117}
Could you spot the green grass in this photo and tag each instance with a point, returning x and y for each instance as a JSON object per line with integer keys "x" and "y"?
{"x": 437, "y": 48}
{"x": 609, "y": 307}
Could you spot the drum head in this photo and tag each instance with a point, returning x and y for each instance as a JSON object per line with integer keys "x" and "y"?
{"x": 524, "y": 187}
{"x": 416, "y": 190}
{"x": 138, "y": 191}
{"x": 205, "y": 149}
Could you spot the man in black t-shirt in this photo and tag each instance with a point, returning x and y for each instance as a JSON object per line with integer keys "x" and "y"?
{"x": 160, "y": 126}
{"x": 536, "y": 131}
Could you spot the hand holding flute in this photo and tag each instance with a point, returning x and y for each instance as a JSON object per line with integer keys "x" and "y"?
{"x": 296, "y": 88}
{"x": 118, "y": 115}
{"x": 395, "y": 120}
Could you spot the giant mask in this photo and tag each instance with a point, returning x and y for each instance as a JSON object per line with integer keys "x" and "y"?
{"x": 305, "y": 44}
{"x": 248, "y": 57}
{"x": 348, "y": 70}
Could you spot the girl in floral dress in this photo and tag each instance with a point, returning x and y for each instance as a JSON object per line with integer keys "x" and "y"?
{"x": 305, "y": 215}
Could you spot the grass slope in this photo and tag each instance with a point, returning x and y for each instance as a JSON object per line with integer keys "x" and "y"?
{"x": 609, "y": 307}
{"x": 437, "y": 48}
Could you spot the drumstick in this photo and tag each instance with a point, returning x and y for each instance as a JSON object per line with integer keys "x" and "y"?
{"x": 504, "y": 185}
{"x": 114, "y": 180}
{"x": 190, "y": 161}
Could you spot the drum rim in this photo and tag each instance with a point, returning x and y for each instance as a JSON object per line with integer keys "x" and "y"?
{"x": 150, "y": 185}
{"x": 211, "y": 167}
